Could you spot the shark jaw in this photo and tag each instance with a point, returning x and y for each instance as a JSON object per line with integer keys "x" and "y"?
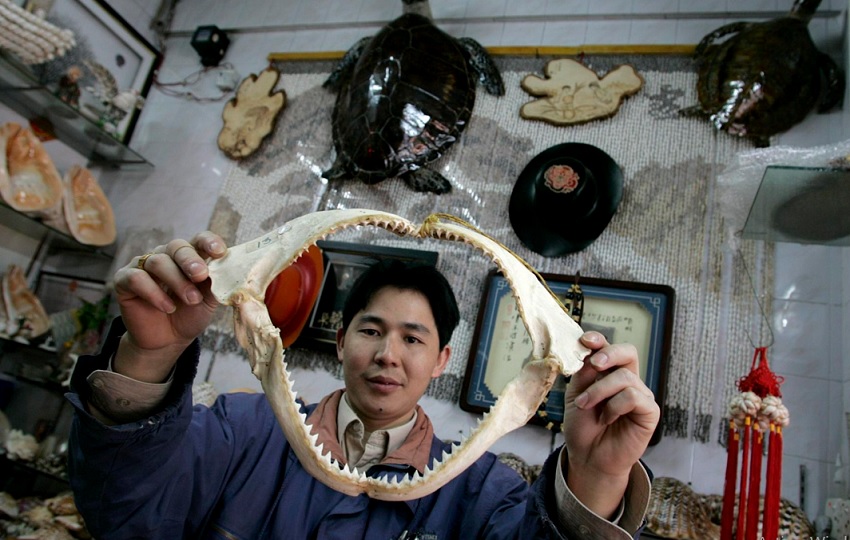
{"x": 240, "y": 280}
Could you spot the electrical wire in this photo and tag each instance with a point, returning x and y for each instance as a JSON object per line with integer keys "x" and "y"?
{"x": 169, "y": 88}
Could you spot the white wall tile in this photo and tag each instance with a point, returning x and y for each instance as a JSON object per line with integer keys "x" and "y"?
{"x": 807, "y": 398}
{"x": 485, "y": 8}
{"x": 817, "y": 478}
{"x": 808, "y": 273}
{"x": 486, "y": 33}
{"x": 691, "y": 31}
{"x": 307, "y": 40}
{"x": 383, "y": 10}
{"x": 563, "y": 34}
{"x": 567, "y": 7}
{"x": 312, "y": 12}
{"x": 344, "y": 40}
{"x": 652, "y": 31}
{"x": 525, "y": 8}
{"x": 607, "y": 32}
{"x": 442, "y": 11}
{"x": 655, "y": 6}
{"x": 615, "y": 8}
{"x": 345, "y": 12}
{"x": 802, "y": 346}
{"x": 520, "y": 33}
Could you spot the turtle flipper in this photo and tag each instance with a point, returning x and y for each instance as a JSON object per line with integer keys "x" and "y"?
{"x": 337, "y": 170}
{"x": 726, "y": 29}
{"x": 342, "y": 71}
{"x": 693, "y": 111}
{"x": 833, "y": 83}
{"x": 482, "y": 63}
{"x": 426, "y": 180}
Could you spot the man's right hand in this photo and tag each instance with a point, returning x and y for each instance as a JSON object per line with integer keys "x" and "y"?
{"x": 165, "y": 302}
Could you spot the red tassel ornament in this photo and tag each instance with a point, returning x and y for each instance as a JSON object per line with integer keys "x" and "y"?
{"x": 757, "y": 417}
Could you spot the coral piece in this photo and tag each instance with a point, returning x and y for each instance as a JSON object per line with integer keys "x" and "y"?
{"x": 571, "y": 93}
{"x": 21, "y": 446}
{"x": 251, "y": 115}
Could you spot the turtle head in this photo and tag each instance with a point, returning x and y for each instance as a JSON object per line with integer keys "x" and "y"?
{"x": 419, "y": 7}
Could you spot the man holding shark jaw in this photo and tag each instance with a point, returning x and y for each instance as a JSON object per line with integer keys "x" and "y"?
{"x": 145, "y": 464}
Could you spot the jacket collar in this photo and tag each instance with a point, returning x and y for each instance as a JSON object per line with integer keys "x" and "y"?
{"x": 415, "y": 451}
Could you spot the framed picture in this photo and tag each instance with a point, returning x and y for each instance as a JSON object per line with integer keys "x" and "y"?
{"x": 343, "y": 264}
{"x": 637, "y": 313}
{"x": 104, "y": 39}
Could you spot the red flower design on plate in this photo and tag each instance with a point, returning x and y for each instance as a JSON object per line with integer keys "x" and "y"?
{"x": 561, "y": 178}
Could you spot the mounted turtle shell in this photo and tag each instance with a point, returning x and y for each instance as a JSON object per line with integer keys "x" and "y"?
{"x": 404, "y": 98}
{"x": 765, "y": 77}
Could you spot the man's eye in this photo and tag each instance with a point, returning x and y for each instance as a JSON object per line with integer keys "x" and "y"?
{"x": 413, "y": 339}
{"x": 369, "y": 331}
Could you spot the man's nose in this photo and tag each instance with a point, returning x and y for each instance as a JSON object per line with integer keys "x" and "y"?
{"x": 389, "y": 351}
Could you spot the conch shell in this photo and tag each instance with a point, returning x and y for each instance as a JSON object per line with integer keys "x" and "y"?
{"x": 31, "y": 184}
{"x": 24, "y": 315}
{"x": 240, "y": 278}
{"x": 85, "y": 212}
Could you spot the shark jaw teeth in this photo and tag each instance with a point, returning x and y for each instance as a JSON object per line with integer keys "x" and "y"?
{"x": 241, "y": 277}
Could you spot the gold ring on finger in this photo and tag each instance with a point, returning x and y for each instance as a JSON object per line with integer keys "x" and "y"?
{"x": 141, "y": 264}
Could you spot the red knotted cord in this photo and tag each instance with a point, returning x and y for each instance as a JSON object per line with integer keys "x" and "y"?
{"x": 728, "y": 512}
{"x": 755, "y": 484}
{"x": 742, "y": 499}
{"x": 762, "y": 382}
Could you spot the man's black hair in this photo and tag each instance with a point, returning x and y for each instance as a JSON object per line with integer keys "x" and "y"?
{"x": 410, "y": 276}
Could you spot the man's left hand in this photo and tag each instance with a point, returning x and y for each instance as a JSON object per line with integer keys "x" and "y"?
{"x": 609, "y": 417}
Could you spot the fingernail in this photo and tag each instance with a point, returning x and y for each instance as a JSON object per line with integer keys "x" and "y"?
{"x": 193, "y": 296}
{"x": 195, "y": 268}
{"x": 581, "y": 400}
{"x": 599, "y": 359}
{"x": 215, "y": 247}
{"x": 591, "y": 336}
{"x": 168, "y": 307}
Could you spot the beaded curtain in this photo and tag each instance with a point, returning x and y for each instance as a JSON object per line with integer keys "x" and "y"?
{"x": 666, "y": 230}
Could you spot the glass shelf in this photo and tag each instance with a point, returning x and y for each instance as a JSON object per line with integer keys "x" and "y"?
{"x": 20, "y": 91}
{"x": 58, "y": 240}
{"x": 804, "y": 205}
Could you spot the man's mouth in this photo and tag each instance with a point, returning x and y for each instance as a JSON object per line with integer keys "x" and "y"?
{"x": 383, "y": 384}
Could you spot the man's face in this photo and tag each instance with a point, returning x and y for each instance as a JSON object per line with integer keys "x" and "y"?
{"x": 389, "y": 354}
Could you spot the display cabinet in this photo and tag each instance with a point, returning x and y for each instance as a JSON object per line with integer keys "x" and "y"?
{"x": 23, "y": 93}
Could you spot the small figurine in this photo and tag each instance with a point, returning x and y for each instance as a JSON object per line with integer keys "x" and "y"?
{"x": 69, "y": 89}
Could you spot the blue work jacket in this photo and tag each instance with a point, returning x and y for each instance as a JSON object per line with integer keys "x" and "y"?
{"x": 228, "y": 472}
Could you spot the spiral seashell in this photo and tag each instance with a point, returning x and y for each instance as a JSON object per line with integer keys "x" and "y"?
{"x": 746, "y": 404}
{"x": 774, "y": 411}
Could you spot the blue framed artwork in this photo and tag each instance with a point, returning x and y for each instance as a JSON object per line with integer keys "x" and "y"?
{"x": 637, "y": 313}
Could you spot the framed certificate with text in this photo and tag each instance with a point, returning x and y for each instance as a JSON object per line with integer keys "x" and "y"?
{"x": 636, "y": 313}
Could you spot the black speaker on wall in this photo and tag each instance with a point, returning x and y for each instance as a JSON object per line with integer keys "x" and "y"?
{"x": 211, "y": 42}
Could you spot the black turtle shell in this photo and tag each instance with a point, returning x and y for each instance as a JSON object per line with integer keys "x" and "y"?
{"x": 761, "y": 81}
{"x": 409, "y": 98}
